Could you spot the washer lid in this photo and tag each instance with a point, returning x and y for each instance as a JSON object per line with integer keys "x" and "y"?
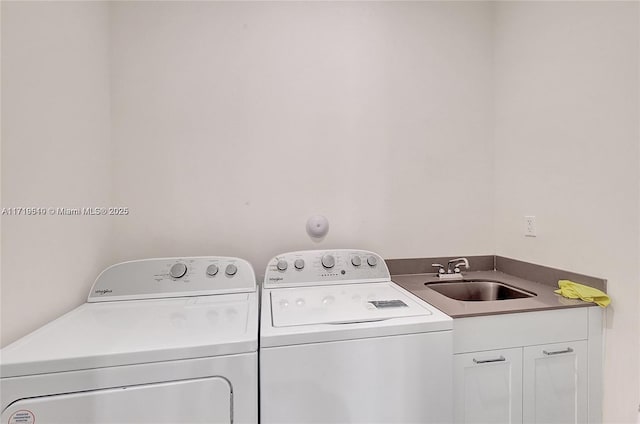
{"x": 106, "y": 334}
{"x": 342, "y": 304}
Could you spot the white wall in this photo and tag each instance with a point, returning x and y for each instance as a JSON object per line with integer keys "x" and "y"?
{"x": 55, "y": 153}
{"x": 234, "y": 122}
{"x": 566, "y": 84}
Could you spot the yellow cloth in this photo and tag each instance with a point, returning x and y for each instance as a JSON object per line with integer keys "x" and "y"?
{"x": 578, "y": 291}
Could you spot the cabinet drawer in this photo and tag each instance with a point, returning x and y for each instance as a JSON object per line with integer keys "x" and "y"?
{"x": 520, "y": 329}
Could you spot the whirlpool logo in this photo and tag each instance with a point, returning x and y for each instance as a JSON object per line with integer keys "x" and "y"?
{"x": 103, "y": 291}
{"x": 275, "y": 278}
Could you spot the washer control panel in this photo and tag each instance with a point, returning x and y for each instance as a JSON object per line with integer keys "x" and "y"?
{"x": 324, "y": 267}
{"x": 173, "y": 277}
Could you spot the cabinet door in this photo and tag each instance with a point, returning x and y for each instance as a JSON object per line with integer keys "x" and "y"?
{"x": 488, "y": 386}
{"x": 555, "y": 383}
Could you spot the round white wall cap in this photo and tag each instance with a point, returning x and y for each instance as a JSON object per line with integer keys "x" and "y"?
{"x": 317, "y": 226}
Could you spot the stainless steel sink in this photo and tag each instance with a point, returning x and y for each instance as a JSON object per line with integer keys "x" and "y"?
{"x": 478, "y": 290}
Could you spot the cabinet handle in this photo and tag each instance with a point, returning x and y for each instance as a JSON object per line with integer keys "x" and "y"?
{"x": 557, "y": 352}
{"x": 485, "y": 361}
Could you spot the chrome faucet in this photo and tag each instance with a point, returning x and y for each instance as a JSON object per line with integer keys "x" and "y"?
{"x": 453, "y": 270}
{"x": 453, "y": 266}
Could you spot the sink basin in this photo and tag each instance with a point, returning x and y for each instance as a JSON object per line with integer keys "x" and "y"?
{"x": 478, "y": 290}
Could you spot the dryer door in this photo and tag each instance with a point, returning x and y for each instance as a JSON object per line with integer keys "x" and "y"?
{"x": 186, "y": 401}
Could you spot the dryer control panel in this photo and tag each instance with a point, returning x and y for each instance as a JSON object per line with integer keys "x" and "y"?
{"x": 173, "y": 277}
{"x": 324, "y": 267}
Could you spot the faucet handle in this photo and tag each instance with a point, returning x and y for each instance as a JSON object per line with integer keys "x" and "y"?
{"x": 440, "y": 268}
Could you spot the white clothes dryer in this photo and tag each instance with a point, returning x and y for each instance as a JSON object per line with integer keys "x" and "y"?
{"x": 159, "y": 341}
{"x": 341, "y": 343}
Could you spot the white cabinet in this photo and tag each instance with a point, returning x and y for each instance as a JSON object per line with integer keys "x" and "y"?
{"x": 488, "y": 387}
{"x": 534, "y": 367}
{"x": 555, "y": 383}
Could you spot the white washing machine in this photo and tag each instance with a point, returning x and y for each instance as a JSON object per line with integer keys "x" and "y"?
{"x": 158, "y": 341}
{"x": 341, "y": 343}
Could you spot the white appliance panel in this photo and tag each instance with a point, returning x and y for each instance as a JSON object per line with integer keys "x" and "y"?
{"x": 339, "y": 304}
{"x": 272, "y": 335}
{"x": 129, "y": 332}
{"x": 240, "y": 370}
{"x": 203, "y": 400}
{"x": 325, "y": 267}
{"x": 173, "y": 277}
{"x": 396, "y": 379}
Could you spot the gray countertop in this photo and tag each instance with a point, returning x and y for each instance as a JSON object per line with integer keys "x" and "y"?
{"x": 545, "y": 297}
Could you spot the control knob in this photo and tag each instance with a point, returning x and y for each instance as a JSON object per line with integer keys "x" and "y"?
{"x": 178, "y": 270}
{"x": 231, "y": 270}
{"x": 356, "y": 261}
{"x": 282, "y": 265}
{"x": 372, "y": 261}
{"x": 299, "y": 263}
{"x": 328, "y": 261}
{"x": 212, "y": 270}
